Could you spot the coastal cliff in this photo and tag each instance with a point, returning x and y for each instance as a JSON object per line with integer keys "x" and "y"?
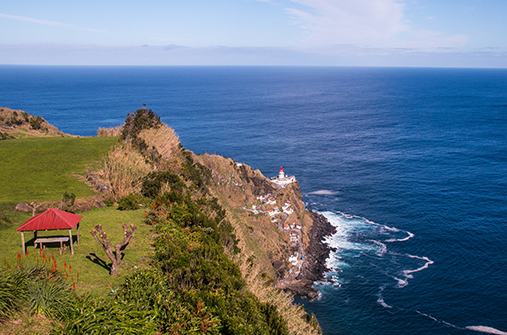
{"x": 227, "y": 241}
{"x": 275, "y": 230}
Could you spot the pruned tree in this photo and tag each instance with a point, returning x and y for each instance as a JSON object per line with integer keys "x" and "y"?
{"x": 33, "y": 206}
{"x": 104, "y": 242}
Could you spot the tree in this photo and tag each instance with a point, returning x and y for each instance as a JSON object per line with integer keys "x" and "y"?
{"x": 115, "y": 256}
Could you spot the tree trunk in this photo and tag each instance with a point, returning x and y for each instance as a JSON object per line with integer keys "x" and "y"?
{"x": 115, "y": 256}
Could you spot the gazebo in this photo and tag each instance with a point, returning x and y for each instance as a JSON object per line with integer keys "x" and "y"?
{"x": 51, "y": 219}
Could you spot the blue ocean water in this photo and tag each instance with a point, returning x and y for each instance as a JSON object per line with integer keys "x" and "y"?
{"x": 410, "y": 165}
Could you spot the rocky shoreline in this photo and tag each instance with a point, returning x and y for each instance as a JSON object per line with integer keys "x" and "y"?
{"x": 314, "y": 265}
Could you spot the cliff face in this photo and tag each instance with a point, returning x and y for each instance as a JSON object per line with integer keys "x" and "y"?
{"x": 273, "y": 226}
{"x": 275, "y": 232}
{"x": 246, "y": 197}
{"x": 18, "y": 123}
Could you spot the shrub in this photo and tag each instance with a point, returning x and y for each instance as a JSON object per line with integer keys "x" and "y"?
{"x": 129, "y": 202}
{"x": 5, "y": 136}
{"x": 68, "y": 198}
{"x": 109, "y": 202}
{"x": 152, "y": 183}
{"x": 39, "y": 286}
{"x": 12, "y": 292}
{"x": 36, "y": 123}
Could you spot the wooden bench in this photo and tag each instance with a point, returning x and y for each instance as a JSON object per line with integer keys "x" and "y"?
{"x": 42, "y": 240}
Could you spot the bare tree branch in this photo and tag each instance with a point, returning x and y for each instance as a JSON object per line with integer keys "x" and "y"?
{"x": 104, "y": 242}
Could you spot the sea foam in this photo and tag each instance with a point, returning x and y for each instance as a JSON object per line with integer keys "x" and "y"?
{"x": 485, "y": 329}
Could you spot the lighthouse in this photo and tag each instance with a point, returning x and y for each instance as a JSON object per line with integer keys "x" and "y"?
{"x": 281, "y": 174}
{"x": 283, "y": 180}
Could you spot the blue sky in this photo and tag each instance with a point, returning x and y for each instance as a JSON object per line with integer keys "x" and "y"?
{"x": 445, "y": 33}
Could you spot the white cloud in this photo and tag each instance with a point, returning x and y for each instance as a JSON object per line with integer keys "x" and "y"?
{"x": 431, "y": 39}
{"x": 366, "y": 22}
{"x": 49, "y": 23}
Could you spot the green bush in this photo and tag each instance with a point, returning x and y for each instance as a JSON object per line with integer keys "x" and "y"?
{"x": 36, "y": 123}
{"x": 5, "y": 136}
{"x": 39, "y": 286}
{"x": 12, "y": 292}
{"x": 152, "y": 183}
{"x": 129, "y": 202}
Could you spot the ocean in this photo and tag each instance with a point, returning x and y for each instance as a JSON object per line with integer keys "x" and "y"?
{"x": 409, "y": 164}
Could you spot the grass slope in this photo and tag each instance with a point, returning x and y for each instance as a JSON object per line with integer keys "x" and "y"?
{"x": 88, "y": 257}
{"x": 42, "y": 169}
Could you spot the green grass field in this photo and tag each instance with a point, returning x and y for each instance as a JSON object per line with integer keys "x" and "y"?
{"x": 88, "y": 257}
{"x": 42, "y": 169}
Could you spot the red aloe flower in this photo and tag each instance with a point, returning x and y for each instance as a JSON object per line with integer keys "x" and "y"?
{"x": 19, "y": 256}
{"x": 27, "y": 253}
{"x": 74, "y": 286}
{"x": 65, "y": 264}
{"x": 70, "y": 267}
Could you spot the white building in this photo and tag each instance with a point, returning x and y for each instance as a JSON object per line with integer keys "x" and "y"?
{"x": 271, "y": 201}
{"x": 282, "y": 179}
{"x": 293, "y": 258}
{"x": 288, "y": 211}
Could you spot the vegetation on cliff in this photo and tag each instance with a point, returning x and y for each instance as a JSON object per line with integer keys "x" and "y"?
{"x": 19, "y": 124}
{"x": 205, "y": 275}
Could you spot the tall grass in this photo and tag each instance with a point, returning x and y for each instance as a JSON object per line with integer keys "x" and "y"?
{"x": 12, "y": 293}
{"x": 110, "y": 132}
{"x": 123, "y": 170}
{"x": 297, "y": 319}
{"x": 38, "y": 286}
{"x": 164, "y": 139}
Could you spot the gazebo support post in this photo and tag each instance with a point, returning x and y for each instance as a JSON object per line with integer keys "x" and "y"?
{"x": 23, "y": 241}
{"x": 78, "y": 239}
{"x": 71, "y": 246}
{"x": 35, "y": 234}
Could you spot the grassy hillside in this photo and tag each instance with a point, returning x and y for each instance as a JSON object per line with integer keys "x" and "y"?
{"x": 195, "y": 277}
{"x": 42, "y": 169}
{"x": 87, "y": 260}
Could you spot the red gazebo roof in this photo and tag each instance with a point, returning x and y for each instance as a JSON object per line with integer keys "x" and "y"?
{"x": 51, "y": 219}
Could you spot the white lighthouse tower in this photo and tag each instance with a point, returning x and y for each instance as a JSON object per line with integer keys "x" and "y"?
{"x": 281, "y": 174}
{"x": 283, "y": 180}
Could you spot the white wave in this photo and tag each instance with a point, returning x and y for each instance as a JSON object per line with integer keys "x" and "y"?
{"x": 335, "y": 262}
{"x": 323, "y": 192}
{"x": 432, "y": 318}
{"x": 410, "y": 235}
{"x": 356, "y": 236}
{"x": 425, "y": 266}
{"x": 382, "y": 248}
{"x": 391, "y": 228}
{"x": 380, "y": 299}
{"x": 485, "y": 329}
{"x": 382, "y": 303}
{"x": 401, "y": 282}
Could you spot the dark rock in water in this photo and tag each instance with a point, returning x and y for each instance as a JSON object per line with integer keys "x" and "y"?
{"x": 317, "y": 251}
{"x": 303, "y": 288}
